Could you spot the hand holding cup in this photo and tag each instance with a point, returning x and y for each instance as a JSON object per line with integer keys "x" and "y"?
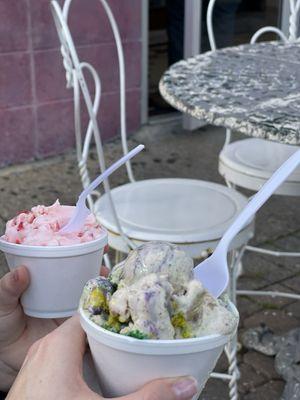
{"x": 53, "y": 369}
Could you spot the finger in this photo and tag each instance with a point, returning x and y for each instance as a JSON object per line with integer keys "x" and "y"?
{"x": 182, "y": 388}
{"x": 12, "y": 285}
{"x": 104, "y": 271}
{"x": 12, "y": 318}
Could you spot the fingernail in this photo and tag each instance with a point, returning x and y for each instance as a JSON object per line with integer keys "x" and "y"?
{"x": 15, "y": 275}
{"x": 185, "y": 388}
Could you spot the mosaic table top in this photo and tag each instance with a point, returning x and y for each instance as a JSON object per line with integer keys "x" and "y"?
{"x": 254, "y": 89}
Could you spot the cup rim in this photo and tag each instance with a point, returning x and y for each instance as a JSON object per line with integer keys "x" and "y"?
{"x": 31, "y": 250}
{"x": 151, "y": 346}
{"x": 26, "y": 246}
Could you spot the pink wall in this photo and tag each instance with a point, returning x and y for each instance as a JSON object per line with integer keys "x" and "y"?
{"x": 36, "y": 109}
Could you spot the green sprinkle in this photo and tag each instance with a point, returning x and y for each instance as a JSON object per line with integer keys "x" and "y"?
{"x": 137, "y": 334}
{"x": 110, "y": 328}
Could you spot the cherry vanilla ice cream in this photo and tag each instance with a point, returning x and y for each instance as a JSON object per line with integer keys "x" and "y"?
{"x": 59, "y": 264}
{"x": 41, "y": 226}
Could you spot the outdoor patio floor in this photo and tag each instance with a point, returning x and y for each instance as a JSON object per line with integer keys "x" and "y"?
{"x": 172, "y": 152}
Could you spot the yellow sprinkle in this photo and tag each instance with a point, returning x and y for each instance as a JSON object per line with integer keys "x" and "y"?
{"x": 179, "y": 321}
{"x": 97, "y": 299}
{"x": 113, "y": 322}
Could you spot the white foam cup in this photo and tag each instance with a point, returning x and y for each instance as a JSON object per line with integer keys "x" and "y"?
{"x": 57, "y": 274}
{"x": 124, "y": 364}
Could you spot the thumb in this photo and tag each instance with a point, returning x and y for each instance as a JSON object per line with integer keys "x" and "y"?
{"x": 12, "y": 319}
{"x": 181, "y": 388}
{"x": 12, "y": 285}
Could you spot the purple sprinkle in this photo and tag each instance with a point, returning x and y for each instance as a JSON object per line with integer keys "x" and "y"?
{"x": 149, "y": 295}
{"x": 152, "y": 328}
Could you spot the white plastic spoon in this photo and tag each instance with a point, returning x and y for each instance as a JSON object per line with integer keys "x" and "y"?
{"x": 213, "y": 272}
{"x": 81, "y": 210}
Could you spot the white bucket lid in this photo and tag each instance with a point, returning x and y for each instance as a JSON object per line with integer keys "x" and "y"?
{"x": 153, "y": 347}
{"x": 55, "y": 251}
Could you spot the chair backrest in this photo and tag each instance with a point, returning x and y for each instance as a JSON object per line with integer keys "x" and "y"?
{"x": 75, "y": 77}
{"x": 293, "y": 25}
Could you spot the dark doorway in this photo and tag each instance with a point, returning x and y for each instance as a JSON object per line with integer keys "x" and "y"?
{"x": 235, "y": 21}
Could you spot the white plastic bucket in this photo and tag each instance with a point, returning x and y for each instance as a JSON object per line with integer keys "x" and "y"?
{"x": 57, "y": 274}
{"x": 124, "y": 364}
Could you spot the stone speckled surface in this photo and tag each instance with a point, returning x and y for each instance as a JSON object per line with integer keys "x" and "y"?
{"x": 254, "y": 89}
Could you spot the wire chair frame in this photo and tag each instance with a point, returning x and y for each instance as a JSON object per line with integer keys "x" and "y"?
{"x": 293, "y": 36}
{"x": 120, "y": 52}
{"x": 76, "y": 79}
{"x": 233, "y": 371}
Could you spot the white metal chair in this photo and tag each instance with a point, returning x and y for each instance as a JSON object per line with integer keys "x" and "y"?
{"x": 250, "y": 162}
{"x": 191, "y": 213}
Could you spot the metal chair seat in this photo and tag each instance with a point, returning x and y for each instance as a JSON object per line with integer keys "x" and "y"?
{"x": 191, "y": 213}
{"x": 249, "y": 163}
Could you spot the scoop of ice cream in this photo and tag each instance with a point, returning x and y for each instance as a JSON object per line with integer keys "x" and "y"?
{"x": 144, "y": 305}
{"x": 155, "y": 257}
{"x": 41, "y": 225}
{"x": 202, "y": 313}
{"x": 155, "y": 296}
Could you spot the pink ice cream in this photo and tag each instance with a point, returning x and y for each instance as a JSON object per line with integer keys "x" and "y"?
{"x": 41, "y": 225}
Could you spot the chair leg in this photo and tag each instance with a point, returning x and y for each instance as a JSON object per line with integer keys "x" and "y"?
{"x": 117, "y": 257}
{"x": 107, "y": 261}
{"x": 233, "y": 370}
{"x": 231, "y": 348}
{"x": 235, "y": 267}
{"x": 230, "y": 184}
{"x": 239, "y": 270}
